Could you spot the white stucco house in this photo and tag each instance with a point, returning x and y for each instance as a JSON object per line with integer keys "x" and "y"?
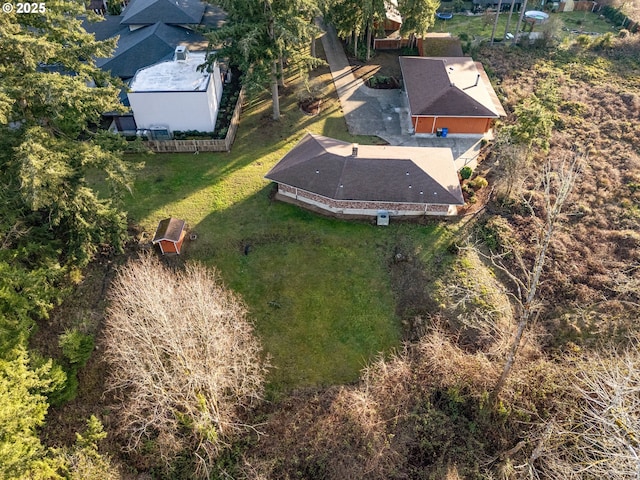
{"x": 174, "y": 95}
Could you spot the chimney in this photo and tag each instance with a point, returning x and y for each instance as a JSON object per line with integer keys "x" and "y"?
{"x": 181, "y": 54}
{"x": 354, "y": 150}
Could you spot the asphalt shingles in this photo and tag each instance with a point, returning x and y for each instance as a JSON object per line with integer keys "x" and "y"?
{"x": 385, "y": 113}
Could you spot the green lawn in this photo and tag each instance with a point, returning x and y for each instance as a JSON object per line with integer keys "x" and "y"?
{"x": 479, "y": 28}
{"x": 318, "y": 288}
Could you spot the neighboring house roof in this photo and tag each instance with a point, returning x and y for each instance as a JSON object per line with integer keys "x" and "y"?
{"x": 172, "y": 76}
{"x": 449, "y": 86}
{"x": 383, "y": 173}
{"x": 214, "y": 17}
{"x": 146, "y": 46}
{"x": 175, "y": 12}
{"x": 169, "y": 229}
{"x": 108, "y": 27}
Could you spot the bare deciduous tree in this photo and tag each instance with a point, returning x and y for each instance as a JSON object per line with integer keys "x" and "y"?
{"x": 514, "y": 162}
{"x": 557, "y": 184}
{"x": 183, "y": 357}
{"x": 596, "y": 434}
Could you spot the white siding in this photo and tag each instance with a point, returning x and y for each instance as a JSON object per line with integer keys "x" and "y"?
{"x": 177, "y": 110}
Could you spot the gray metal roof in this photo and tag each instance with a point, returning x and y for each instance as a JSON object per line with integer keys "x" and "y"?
{"x": 383, "y": 173}
{"x": 174, "y": 12}
{"x": 148, "y": 45}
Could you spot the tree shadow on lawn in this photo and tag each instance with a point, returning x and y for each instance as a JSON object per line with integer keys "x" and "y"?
{"x": 316, "y": 287}
{"x": 189, "y": 186}
{"x": 320, "y": 290}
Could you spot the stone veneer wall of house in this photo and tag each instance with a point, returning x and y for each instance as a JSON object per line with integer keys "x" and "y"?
{"x": 360, "y": 208}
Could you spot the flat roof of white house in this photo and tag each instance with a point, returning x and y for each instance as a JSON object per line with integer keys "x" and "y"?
{"x": 172, "y": 76}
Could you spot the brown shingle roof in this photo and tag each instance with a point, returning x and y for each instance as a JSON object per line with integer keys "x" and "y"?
{"x": 325, "y": 166}
{"x": 169, "y": 229}
{"x": 448, "y": 86}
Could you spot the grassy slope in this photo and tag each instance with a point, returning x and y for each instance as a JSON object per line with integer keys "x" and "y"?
{"x": 318, "y": 288}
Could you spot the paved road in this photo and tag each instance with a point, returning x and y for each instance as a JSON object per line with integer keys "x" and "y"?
{"x": 384, "y": 113}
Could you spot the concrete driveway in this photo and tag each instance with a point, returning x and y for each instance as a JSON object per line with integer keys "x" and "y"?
{"x": 385, "y": 113}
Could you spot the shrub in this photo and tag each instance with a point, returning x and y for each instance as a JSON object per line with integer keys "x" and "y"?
{"x": 603, "y": 42}
{"x": 76, "y": 346}
{"x": 310, "y": 91}
{"x": 478, "y": 183}
{"x": 114, "y": 7}
{"x": 183, "y": 353}
{"x": 466, "y": 172}
{"x": 470, "y": 192}
{"x": 583, "y": 40}
{"x": 459, "y": 5}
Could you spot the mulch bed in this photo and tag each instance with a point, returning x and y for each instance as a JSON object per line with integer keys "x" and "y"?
{"x": 310, "y": 107}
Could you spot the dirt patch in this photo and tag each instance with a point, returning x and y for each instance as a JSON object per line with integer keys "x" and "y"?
{"x": 311, "y": 107}
{"x": 382, "y": 64}
{"x": 409, "y": 279}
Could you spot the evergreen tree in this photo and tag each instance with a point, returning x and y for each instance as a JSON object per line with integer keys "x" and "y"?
{"x": 52, "y": 220}
{"x": 418, "y": 16}
{"x": 23, "y": 406}
{"x": 51, "y": 99}
{"x": 261, "y": 35}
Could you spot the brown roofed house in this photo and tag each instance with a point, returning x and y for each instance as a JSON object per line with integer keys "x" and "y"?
{"x": 170, "y": 235}
{"x": 350, "y": 180}
{"x": 452, "y": 93}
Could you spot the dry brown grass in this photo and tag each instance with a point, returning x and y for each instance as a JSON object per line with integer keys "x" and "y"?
{"x": 368, "y": 431}
{"x": 599, "y": 114}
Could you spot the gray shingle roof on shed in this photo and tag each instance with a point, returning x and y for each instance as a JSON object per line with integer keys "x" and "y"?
{"x": 146, "y": 46}
{"x": 169, "y": 229}
{"x": 175, "y": 12}
{"x": 448, "y": 86}
{"x": 381, "y": 173}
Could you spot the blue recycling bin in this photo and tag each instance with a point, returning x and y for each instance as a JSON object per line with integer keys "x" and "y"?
{"x": 445, "y": 131}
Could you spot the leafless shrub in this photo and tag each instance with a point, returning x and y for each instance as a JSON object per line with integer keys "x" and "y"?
{"x": 355, "y": 419}
{"x": 335, "y": 434}
{"x": 513, "y": 162}
{"x": 182, "y": 356}
{"x": 595, "y": 435}
{"x": 389, "y": 381}
{"x": 446, "y": 364}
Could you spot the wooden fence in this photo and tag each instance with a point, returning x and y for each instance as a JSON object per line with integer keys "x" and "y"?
{"x": 389, "y": 43}
{"x": 202, "y": 145}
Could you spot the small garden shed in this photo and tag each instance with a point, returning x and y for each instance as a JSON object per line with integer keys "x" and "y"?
{"x": 170, "y": 235}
